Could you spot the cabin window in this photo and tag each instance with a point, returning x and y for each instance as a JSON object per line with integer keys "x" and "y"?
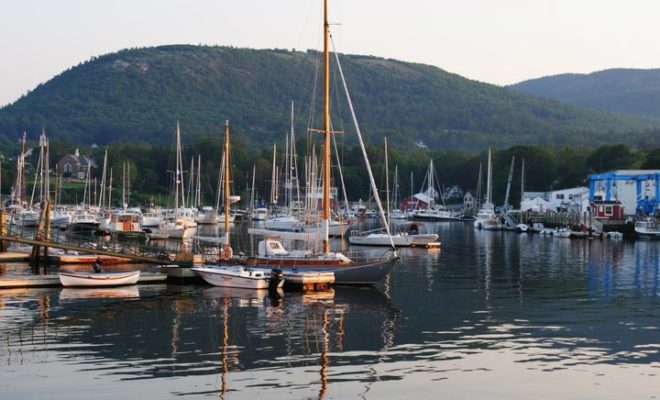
{"x": 560, "y": 196}
{"x": 608, "y": 210}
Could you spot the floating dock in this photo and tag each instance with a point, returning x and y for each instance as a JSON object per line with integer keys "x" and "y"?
{"x": 309, "y": 281}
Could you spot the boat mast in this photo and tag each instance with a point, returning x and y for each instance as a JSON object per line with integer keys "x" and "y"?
{"x": 522, "y": 182}
{"x": 226, "y": 188}
{"x": 489, "y": 183}
{"x": 508, "y": 184}
{"x": 103, "y": 179}
{"x": 177, "y": 172}
{"x": 387, "y": 187}
{"x": 326, "y": 129}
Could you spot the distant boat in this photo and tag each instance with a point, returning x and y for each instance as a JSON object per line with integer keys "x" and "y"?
{"x": 93, "y": 279}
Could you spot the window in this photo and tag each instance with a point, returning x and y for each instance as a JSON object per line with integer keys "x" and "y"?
{"x": 560, "y": 196}
{"x": 608, "y": 210}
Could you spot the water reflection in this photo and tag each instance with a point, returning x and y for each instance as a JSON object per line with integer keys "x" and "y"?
{"x": 572, "y": 318}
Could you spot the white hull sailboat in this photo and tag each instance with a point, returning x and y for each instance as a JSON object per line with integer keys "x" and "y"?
{"x": 346, "y": 270}
{"x": 227, "y": 273}
{"x": 400, "y": 240}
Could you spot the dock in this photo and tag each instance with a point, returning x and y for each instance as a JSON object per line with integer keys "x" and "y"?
{"x": 35, "y": 281}
{"x": 309, "y": 281}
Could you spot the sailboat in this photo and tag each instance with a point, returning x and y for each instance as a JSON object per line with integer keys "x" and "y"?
{"x": 227, "y": 273}
{"x": 406, "y": 237}
{"x": 347, "y": 271}
{"x": 433, "y": 212}
{"x": 181, "y": 224}
{"x": 486, "y": 218}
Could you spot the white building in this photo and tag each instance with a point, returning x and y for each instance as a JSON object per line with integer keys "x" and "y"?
{"x": 571, "y": 200}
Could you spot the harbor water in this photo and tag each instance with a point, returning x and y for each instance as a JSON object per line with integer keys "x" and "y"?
{"x": 493, "y": 315}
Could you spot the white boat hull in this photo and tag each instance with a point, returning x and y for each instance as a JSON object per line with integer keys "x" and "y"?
{"x": 235, "y": 277}
{"x": 78, "y": 279}
{"x": 382, "y": 239}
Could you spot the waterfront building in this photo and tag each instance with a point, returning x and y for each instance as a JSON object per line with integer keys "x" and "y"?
{"x": 632, "y": 188}
{"x": 570, "y": 200}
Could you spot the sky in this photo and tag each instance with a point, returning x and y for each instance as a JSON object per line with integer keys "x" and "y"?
{"x": 495, "y": 41}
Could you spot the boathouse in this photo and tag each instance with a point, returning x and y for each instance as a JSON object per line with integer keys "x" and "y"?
{"x": 632, "y": 188}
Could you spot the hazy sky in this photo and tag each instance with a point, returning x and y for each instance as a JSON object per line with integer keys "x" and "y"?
{"x": 496, "y": 41}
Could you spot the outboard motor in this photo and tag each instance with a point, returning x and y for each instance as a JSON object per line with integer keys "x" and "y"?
{"x": 276, "y": 276}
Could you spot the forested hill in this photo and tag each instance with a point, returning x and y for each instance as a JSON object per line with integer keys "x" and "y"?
{"x": 139, "y": 94}
{"x": 632, "y": 91}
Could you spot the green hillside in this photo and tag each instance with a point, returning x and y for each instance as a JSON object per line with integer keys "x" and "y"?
{"x": 139, "y": 94}
{"x": 631, "y": 91}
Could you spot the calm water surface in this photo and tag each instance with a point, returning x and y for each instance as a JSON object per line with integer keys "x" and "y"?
{"x": 494, "y": 315}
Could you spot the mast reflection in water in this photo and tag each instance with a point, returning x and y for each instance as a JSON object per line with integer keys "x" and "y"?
{"x": 493, "y": 315}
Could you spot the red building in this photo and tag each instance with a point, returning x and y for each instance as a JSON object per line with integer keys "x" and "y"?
{"x": 607, "y": 209}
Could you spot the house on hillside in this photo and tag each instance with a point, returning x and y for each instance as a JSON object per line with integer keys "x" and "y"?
{"x": 75, "y": 165}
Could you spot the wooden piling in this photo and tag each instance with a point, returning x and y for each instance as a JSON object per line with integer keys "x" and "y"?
{"x": 3, "y": 230}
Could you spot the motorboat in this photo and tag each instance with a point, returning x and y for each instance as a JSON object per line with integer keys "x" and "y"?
{"x": 648, "y": 228}
{"x": 240, "y": 277}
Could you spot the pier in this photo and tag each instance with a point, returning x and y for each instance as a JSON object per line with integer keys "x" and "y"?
{"x": 83, "y": 243}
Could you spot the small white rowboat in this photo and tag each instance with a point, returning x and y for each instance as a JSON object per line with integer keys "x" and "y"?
{"x": 92, "y": 279}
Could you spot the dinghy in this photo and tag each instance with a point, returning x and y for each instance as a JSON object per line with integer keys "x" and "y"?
{"x": 95, "y": 279}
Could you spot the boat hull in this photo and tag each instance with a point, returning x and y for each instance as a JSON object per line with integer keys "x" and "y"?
{"x": 379, "y": 239}
{"x": 68, "y": 279}
{"x": 355, "y": 273}
{"x": 234, "y": 277}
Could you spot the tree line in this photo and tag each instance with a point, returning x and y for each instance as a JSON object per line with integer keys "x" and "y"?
{"x": 547, "y": 167}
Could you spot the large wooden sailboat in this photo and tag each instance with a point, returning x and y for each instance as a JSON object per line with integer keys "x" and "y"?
{"x": 347, "y": 271}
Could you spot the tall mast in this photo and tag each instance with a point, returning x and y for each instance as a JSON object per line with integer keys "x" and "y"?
{"x": 103, "y": 179}
{"x": 273, "y": 179}
{"x": 326, "y": 129}
{"x": 198, "y": 198}
{"x": 489, "y": 180}
{"x": 226, "y": 187}
{"x": 508, "y": 184}
{"x": 522, "y": 182}
{"x": 387, "y": 186}
{"x": 177, "y": 177}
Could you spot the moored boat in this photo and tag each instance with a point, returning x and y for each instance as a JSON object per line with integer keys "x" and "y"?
{"x": 240, "y": 277}
{"x": 648, "y": 228}
{"x": 93, "y": 279}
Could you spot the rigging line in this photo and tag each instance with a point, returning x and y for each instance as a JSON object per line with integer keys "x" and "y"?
{"x": 364, "y": 151}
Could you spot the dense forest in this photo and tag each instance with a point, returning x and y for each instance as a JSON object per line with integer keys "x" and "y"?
{"x": 630, "y": 91}
{"x": 546, "y": 167}
{"x": 137, "y": 95}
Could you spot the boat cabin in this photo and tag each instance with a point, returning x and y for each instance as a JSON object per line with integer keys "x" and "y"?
{"x": 271, "y": 248}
